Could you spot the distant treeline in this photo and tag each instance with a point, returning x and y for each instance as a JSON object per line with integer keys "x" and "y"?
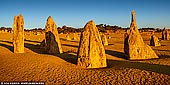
{"x": 101, "y": 27}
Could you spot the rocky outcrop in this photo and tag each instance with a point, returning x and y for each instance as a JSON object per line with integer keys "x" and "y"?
{"x": 134, "y": 47}
{"x": 91, "y": 52}
{"x": 52, "y": 40}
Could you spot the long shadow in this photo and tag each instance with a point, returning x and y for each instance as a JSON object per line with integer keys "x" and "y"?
{"x": 70, "y": 45}
{"x": 162, "y": 50}
{"x": 35, "y": 48}
{"x": 115, "y": 53}
{"x": 163, "y": 69}
{"x": 32, "y": 41}
{"x": 69, "y": 40}
{"x": 163, "y": 45}
{"x": 65, "y": 56}
{"x": 163, "y": 56}
{"x": 6, "y": 41}
{"x": 110, "y": 44}
{"x": 8, "y": 47}
{"x": 68, "y": 57}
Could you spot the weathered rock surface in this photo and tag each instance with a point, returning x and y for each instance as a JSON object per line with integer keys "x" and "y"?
{"x": 91, "y": 52}
{"x": 104, "y": 39}
{"x": 18, "y": 36}
{"x": 154, "y": 41}
{"x": 134, "y": 47}
{"x": 52, "y": 39}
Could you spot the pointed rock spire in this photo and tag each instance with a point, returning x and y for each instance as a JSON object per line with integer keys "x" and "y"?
{"x": 133, "y": 17}
{"x": 91, "y": 52}
{"x": 134, "y": 47}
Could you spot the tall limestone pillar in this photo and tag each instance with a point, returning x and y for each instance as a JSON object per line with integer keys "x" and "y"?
{"x": 52, "y": 39}
{"x": 134, "y": 47}
{"x": 91, "y": 52}
{"x": 18, "y": 35}
{"x": 163, "y": 33}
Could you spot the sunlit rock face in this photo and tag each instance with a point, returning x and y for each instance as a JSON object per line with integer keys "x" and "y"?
{"x": 52, "y": 40}
{"x": 91, "y": 52}
{"x": 18, "y": 35}
{"x": 134, "y": 47}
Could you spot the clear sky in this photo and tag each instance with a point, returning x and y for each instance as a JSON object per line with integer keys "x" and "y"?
{"x": 75, "y": 13}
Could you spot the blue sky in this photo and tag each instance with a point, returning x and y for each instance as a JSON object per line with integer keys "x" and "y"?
{"x": 75, "y": 13}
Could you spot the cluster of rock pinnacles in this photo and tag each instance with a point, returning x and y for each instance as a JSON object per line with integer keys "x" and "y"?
{"x": 91, "y": 52}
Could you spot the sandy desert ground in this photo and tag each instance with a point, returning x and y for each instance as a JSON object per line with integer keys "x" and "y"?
{"x": 36, "y": 65}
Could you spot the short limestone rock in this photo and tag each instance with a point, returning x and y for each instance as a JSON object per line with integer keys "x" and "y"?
{"x": 165, "y": 34}
{"x": 154, "y": 41}
{"x": 18, "y": 35}
{"x": 52, "y": 40}
{"x": 91, "y": 52}
{"x": 134, "y": 47}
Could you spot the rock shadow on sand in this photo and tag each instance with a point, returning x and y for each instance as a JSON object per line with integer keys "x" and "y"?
{"x": 163, "y": 56}
{"x": 116, "y": 54}
{"x": 35, "y": 48}
{"x": 68, "y": 57}
{"x": 6, "y": 41}
{"x": 7, "y": 46}
{"x": 68, "y": 40}
{"x": 70, "y": 45}
{"x": 32, "y": 41}
{"x": 65, "y": 56}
